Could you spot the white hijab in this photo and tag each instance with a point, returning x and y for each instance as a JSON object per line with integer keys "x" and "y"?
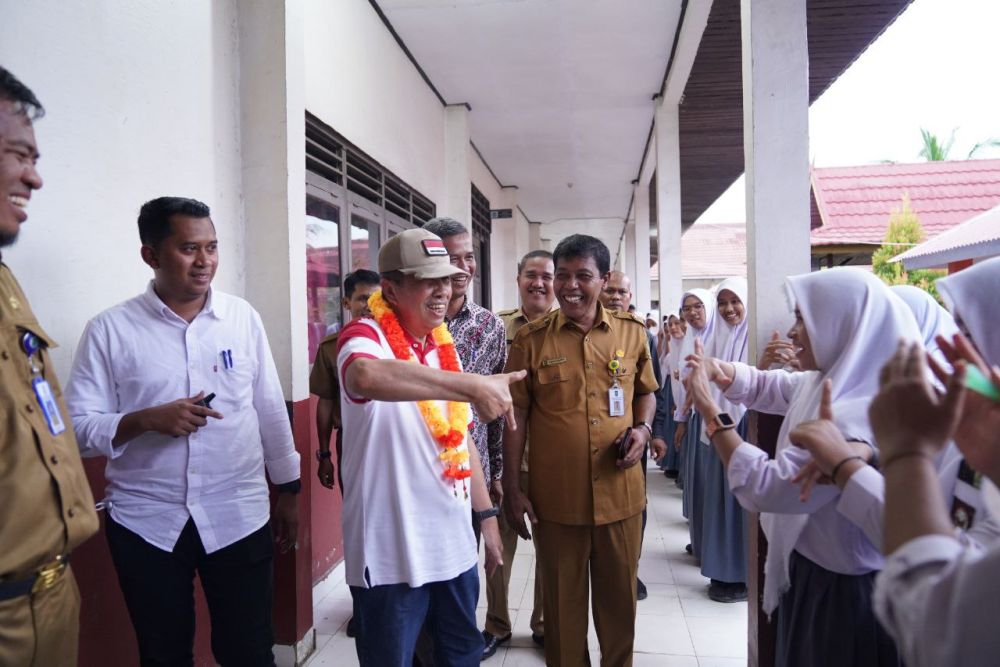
{"x": 705, "y": 334}
{"x": 729, "y": 343}
{"x": 973, "y": 296}
{"x": 932, "y": 319}
{"x": 854, "y": 325}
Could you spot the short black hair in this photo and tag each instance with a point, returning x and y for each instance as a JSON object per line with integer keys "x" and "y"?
{"x": 631, "y": 308}
{"x": 445, "y": 227}
{"x": 155, "y": 216}
{"x": 531, "y": 255}
{"x": 359, "y": 277}
{"x": 583, "y": 246}
{"x": 15, "y": 92}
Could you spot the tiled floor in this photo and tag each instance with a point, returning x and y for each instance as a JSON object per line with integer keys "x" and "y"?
{"x": 676, "y": 626}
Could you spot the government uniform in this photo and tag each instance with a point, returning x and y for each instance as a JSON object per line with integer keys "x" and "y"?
{"x": 324, "y": 382}
{"x": 589, "y": 512}
{"x": 47, "y": 508}
{"x": 498, "y": 621}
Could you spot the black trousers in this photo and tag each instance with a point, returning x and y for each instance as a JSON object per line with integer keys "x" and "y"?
{"x": 158, "y": 587}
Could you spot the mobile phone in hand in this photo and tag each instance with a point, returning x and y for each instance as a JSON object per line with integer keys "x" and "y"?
{"x": 624, "y": 443}
{"x": 207, "y": 401}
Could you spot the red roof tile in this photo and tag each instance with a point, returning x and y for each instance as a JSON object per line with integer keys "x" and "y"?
{"x": 853, "y": 204}
{"x": 712, "y": 251}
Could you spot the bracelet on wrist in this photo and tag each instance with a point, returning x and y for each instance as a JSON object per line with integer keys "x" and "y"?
{"x": 836, "y": 468}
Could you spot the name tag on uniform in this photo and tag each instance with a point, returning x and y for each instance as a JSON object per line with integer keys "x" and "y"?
{"x": 616, "y": 401}
{"x": 553, "y": 362}
{"x": 47, "y": 402}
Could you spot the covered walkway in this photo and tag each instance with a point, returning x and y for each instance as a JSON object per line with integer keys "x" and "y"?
{"x": 676, "y": 626}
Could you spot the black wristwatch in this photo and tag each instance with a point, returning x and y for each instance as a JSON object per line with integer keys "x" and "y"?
{"x": 295, "y": 486}
{"x": 486, "y": 514}
{"x": 322, "y": 455}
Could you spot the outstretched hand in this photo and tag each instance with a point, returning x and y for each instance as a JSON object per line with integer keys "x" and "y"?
{"x": 696, "y": 383}
{"x": 822, "y": 438}
{"x": 494, "y": 398}
{"x": 979, "y": 421}
{"x": 777, "y": 351}
{"x": 908, "y": 414}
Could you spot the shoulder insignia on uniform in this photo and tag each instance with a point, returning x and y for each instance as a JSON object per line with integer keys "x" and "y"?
{"x": 624, "y": 315}
{"x": 540, "y": 323}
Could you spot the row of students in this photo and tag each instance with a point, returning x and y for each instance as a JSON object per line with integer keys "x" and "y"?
{"x": 821, "y": 497}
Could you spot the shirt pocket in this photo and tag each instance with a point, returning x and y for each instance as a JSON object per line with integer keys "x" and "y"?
{"x": 556, "y": 391}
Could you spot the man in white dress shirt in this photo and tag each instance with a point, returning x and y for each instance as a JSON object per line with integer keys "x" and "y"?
{"x": 186, "y": 486}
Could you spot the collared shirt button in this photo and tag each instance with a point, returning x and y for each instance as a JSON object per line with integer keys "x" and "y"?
{"x": 593, "y": 394}
{"x": 71, "y": 512}
{"x": 5, "y": 355}
{"x": 595, "y": 477}
{"x": 595, "y": 450}
{"x": 54, "y": 459}
{"x": 593, "y": 421}
{"x": 29, "y": 407}
{"x": 590, "y": 364}
{"x": 587, "y": 339}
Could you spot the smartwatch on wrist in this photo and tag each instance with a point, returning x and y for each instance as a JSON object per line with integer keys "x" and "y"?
{"x": 721, "y": 422}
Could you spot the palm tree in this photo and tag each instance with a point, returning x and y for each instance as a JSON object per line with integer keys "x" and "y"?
{"x": 935, "y": 151}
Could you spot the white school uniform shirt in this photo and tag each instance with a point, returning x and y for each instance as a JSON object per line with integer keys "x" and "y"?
{"x": 404, "y": 522}
{"x": 937, "y": 597}
{"x": 854, "y": 324}
{"x": 140, "y": 354}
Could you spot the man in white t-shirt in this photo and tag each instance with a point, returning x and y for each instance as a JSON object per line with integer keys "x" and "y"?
{"x": 410, "y": 551}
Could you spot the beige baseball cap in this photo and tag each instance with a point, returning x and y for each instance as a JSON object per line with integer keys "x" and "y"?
{"x": 418, "y": 253}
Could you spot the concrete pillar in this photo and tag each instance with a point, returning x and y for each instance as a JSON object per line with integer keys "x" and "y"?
{"x": 272, "y": 133}
{"x": 535, "y": 236}
{"x": 457, "y": 202}
{"x": 668, "y": 205}
{"x": 628, "y": 263}
{"x": 508, "y": 243}
{"x": 640, "y": 230}
{"x": 776, "y": 147}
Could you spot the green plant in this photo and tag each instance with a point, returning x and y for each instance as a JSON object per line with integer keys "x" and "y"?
{"x": 904, "y": 232}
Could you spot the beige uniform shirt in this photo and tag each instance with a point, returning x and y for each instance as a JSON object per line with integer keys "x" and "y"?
{"x": 574, "y": 478}
{"x": 47, "y": 507}
{"x": 323, "y": 380}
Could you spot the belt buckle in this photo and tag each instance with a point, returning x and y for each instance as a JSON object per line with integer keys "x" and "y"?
{"x": 47, "y": 577}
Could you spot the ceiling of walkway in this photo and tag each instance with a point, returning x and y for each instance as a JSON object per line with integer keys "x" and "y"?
{"x": 560, "y": 90}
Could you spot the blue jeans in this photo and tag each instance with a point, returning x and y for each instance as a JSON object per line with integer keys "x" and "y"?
{"x": 389, "y": 619}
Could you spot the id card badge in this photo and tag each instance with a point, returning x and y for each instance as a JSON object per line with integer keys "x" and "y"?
{"x": 47, "y": 402}
{"x": 616, "y": 401}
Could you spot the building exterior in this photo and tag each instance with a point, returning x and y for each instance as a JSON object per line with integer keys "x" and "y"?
{"x": 312, "y": 127}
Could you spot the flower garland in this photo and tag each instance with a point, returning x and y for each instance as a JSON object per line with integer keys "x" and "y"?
{"x": 449, "y": 433}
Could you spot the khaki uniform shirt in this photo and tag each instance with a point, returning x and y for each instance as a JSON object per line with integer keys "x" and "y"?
{"x": 323, "y": 380}
{"x": 47, "y": 507}
{"x": 574, "y": 478}
{"x": 513, "y": 320}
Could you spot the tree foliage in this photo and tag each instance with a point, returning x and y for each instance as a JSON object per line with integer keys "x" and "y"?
{"x": 904, "y": 232}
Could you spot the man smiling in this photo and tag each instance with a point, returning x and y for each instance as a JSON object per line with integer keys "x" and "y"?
{"x": 47, "y": 508}
{"x": 186, "y": 487}
{"x": 410, "y": 552}
{"x": 590, "y": 384}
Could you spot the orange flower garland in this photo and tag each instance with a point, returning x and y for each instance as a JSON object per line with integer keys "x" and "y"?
{"x": 449, "y": 433}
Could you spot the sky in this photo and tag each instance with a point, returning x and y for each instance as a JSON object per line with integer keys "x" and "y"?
{"x": 937, "y": 67}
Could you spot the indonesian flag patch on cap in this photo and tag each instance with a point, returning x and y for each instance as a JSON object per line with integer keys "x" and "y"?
{"x": 434, "y": 247}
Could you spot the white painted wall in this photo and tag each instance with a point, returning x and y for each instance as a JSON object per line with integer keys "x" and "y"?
{"x": 142, "y": 101}
{"x": 360, "y": 83}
